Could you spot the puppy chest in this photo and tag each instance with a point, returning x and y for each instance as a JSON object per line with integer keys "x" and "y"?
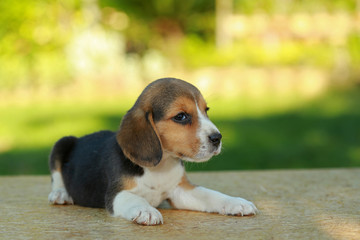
{"x": 155, "y": 187}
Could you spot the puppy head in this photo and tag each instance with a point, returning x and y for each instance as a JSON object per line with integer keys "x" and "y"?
{"x": 170, "y": 116}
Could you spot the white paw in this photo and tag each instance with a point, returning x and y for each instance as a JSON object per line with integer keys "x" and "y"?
{"x": 144, "y": 215}
{"x": 238, "y": 206}
{"x": 60, "y": 196}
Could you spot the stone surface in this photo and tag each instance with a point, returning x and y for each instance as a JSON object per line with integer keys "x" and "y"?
{"x": 294, "y": 204}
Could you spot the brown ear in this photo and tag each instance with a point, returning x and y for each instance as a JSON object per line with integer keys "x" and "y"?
{"x": 138, "y": 138}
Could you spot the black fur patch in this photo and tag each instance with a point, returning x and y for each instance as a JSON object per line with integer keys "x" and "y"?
{"x": 93, "y": 168}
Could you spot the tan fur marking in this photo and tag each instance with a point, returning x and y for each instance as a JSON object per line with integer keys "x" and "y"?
{"x": 185, "y": 184}
{"x": 180, "y": 139}
{"x": 128, "y": 183}
{"x": 57, "y": 166}
{"x": 202, "y": 104}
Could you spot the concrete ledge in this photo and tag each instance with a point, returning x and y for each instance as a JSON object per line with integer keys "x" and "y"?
{"x": 294, "y": 204}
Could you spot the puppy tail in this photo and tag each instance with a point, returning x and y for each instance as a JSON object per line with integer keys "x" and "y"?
{"x": 60, "y": 152}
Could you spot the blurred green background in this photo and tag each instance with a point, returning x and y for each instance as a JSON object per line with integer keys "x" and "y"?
{"x": 282, "y": 78}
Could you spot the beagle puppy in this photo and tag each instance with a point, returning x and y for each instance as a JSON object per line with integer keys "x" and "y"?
{"x": 131, "y": 171}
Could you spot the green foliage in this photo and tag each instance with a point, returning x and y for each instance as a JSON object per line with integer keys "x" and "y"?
{"x": 154, "y": 9}
{"x": 32, "y": 37}
{"x": 354, "y": 48}
{"x": 153, "y": 22}
{"x": 35, "y": 36}
{"x": 276, "y": 6}
{"x": 253, "y": 53}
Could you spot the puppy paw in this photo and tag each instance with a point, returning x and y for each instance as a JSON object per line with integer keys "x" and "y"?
{"x": 238, "y": 207}
{"x": 60, "y": 196}
{"x": 145, "y": 215}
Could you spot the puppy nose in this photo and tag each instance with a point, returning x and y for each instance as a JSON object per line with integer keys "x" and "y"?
{"x": 215, "y": 138}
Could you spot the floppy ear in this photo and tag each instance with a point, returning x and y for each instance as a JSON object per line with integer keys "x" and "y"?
{"x": 138, "y": 138}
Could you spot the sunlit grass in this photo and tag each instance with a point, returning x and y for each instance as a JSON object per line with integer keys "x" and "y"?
{"x": 38, "y": 123}
{"x": 27, "y": 132}
{"x": 257, "y": 134}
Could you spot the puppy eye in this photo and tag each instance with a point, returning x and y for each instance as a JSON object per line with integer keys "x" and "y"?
{"x": 182, "y": 118}
{"x": 207, "y": 109}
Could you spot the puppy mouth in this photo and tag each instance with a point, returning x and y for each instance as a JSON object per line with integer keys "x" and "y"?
{"x": 213, "y": 150}
{"x": 203, "y": 155}
{"x": 217, "y": 151}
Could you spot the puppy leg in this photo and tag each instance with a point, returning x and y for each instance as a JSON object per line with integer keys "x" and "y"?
{"x": 58, "y": 194}
{"x": 59, "y": 154}
{"x": 206, "y": 200}
{"x": 136, "y": 209}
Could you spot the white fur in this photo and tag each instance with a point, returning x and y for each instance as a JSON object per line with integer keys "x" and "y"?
{"x": 151, "y": 190}
{"x": 157, "y": 182}
{"x": 58, "y": 194}
{"x": 161, "y": 183}
{"x": 135, "y": 208}
{"x": 206, "y": 200}
{"x": 205, "y": 130}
